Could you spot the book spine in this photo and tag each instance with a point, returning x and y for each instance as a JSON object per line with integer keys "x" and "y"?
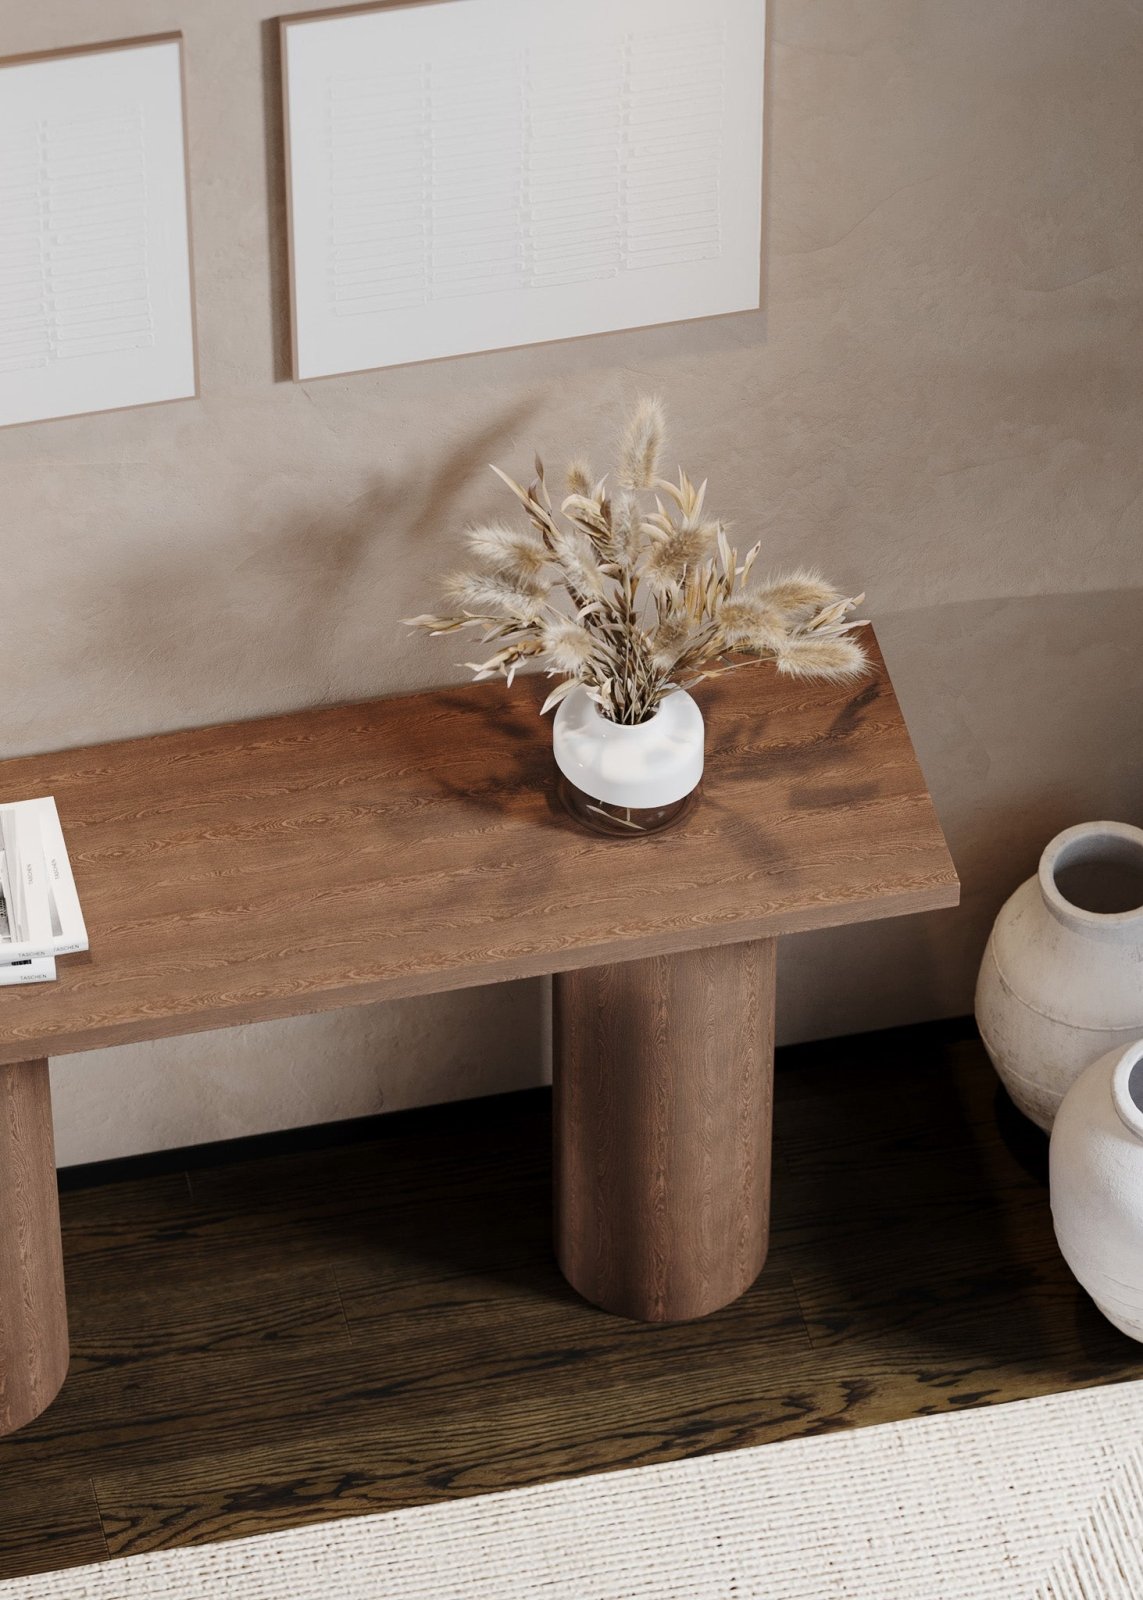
{"x": 36, "y": 911}
{"x": 41, "y": 971}
{"x": 11, "y": 878}
{"x": 36, "y": 952}
{"x": 42, "y": 901}
{"x": 69, "y": 928}
{"x": 8, "y": 918}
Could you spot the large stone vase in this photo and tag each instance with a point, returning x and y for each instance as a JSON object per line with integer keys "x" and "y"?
{"x": 1062, "y": 978}
{"x": 1097, "y": 1184}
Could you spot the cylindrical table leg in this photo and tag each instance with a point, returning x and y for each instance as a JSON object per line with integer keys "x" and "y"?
{"x": 663, "y": 1090}
{"x": 33, "y": 1310}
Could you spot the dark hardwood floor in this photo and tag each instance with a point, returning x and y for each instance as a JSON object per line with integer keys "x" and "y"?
{"x": 264, "y": 1335}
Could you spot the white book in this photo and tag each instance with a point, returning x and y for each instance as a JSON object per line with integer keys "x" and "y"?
{"x": 40, "y": 900}
{"x": 14, "y": 898}
{"x": 69, "y": 931}
{"x": 7, "y": 904}
{"x": 32, "y": 897}
{"x": 42, "y": 971}
{"x": 13, "y": 913}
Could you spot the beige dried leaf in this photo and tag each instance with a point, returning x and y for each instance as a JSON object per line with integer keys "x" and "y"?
{"x": 727, "y": 556}
{"x": 538, "y": 513}
{"x": 592, "y": 516}
{"x": 435, "y": 625}
{"x": 558, "y": 693}
{"x": 748, "y": 561}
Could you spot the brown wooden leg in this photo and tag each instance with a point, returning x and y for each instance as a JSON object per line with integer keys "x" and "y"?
{"x": 663, "y": 1087}
{"x": 33, "y": 1311}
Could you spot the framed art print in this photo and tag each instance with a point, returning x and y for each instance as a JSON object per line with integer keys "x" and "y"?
{"x": 472, "y": 174}
{"x": 96, "y": 304}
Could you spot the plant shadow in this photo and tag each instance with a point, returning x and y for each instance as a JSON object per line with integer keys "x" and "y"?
{"x": 333, "y": 573}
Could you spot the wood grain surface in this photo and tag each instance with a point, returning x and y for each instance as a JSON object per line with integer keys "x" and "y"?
{"x": 662, "y": 1097}
{"x": 427, "y": 1347}
{"x": 408, "y": 846}
{"x": 33, "y": 1311}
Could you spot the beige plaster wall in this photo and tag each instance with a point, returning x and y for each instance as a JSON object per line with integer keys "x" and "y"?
{"x": 941, "y": 403}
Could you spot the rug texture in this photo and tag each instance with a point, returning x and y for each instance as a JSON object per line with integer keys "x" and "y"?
{"x": 1041, "y": 1500}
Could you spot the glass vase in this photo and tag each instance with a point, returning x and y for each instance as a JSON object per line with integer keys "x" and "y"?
{"x": 628, "y": 779}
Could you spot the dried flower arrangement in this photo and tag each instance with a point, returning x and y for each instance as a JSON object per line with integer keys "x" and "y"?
{"x": 654, "y": 596}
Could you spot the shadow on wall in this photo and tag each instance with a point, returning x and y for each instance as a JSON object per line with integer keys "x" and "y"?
{"x": 1004, "y": 779}
{"x": 315, "y": 599}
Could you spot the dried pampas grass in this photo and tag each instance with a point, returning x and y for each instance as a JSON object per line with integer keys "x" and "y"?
{"x": 568, "y": 647}
{"x": 516, "y": 599}
{"x": 641, "y": 446}
{"x": 638, "y": 594}
{"x": 511, "y": 551}
{"x": 817, "y": 656}
{"x": 798, "y": 594}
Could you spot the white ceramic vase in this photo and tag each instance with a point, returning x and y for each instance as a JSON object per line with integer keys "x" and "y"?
{"x": 623, "y": 779}
{"x": 1062, "y": 978}
{"x": 1097, "y": 1184}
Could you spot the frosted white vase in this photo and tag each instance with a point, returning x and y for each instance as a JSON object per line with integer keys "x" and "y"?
{"x": 1096, "y": 1172}
{"x": 1062, "y": 978}
{"x": 628, "y": 779}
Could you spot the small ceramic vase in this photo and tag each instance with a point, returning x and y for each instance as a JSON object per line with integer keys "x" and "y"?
{"x": 628, "y": 780}
{"x": 1062, "y": 977}
{"x": 1097, "y": 1184}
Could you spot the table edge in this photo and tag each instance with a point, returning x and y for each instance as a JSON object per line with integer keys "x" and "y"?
{"x": 941, "y": 895}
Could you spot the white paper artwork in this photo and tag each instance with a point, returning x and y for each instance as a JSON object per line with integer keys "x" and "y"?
{"x": 95, "y": 279}
{"x": 472, "y": 174}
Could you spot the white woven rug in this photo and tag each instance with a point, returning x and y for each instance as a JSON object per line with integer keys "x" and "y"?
{"x": 1041, "y": 1500}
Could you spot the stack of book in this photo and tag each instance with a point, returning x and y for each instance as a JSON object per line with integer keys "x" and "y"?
{"x": 40, "y": 916}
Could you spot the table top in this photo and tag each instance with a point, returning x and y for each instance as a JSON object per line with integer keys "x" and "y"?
{"x": 407, "y": 846}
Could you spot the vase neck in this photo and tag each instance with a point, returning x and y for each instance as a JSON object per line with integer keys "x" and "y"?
{"x": 1091, "y": 880}
{"x": 1127, "y": 1089}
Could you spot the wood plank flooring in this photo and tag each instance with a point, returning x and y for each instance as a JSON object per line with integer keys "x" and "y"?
{"x": 267, "y": 1336}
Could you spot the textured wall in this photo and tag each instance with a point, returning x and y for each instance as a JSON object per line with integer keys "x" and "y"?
{"x": 941, "y": 403}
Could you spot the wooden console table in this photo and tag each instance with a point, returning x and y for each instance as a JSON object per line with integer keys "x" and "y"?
{"x": 409, "y": 846}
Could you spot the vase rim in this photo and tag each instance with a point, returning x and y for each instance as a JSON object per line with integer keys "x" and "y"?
{"x": 642, "y": 765}
{"x": 1074, "y": 845}
{"x": 626, "y": 729}
{"x": 1127, "y": 1088}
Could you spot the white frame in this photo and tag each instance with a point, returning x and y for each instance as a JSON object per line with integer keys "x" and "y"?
{"x": 55, "y": 273}
{"x": 322, "y": 57}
